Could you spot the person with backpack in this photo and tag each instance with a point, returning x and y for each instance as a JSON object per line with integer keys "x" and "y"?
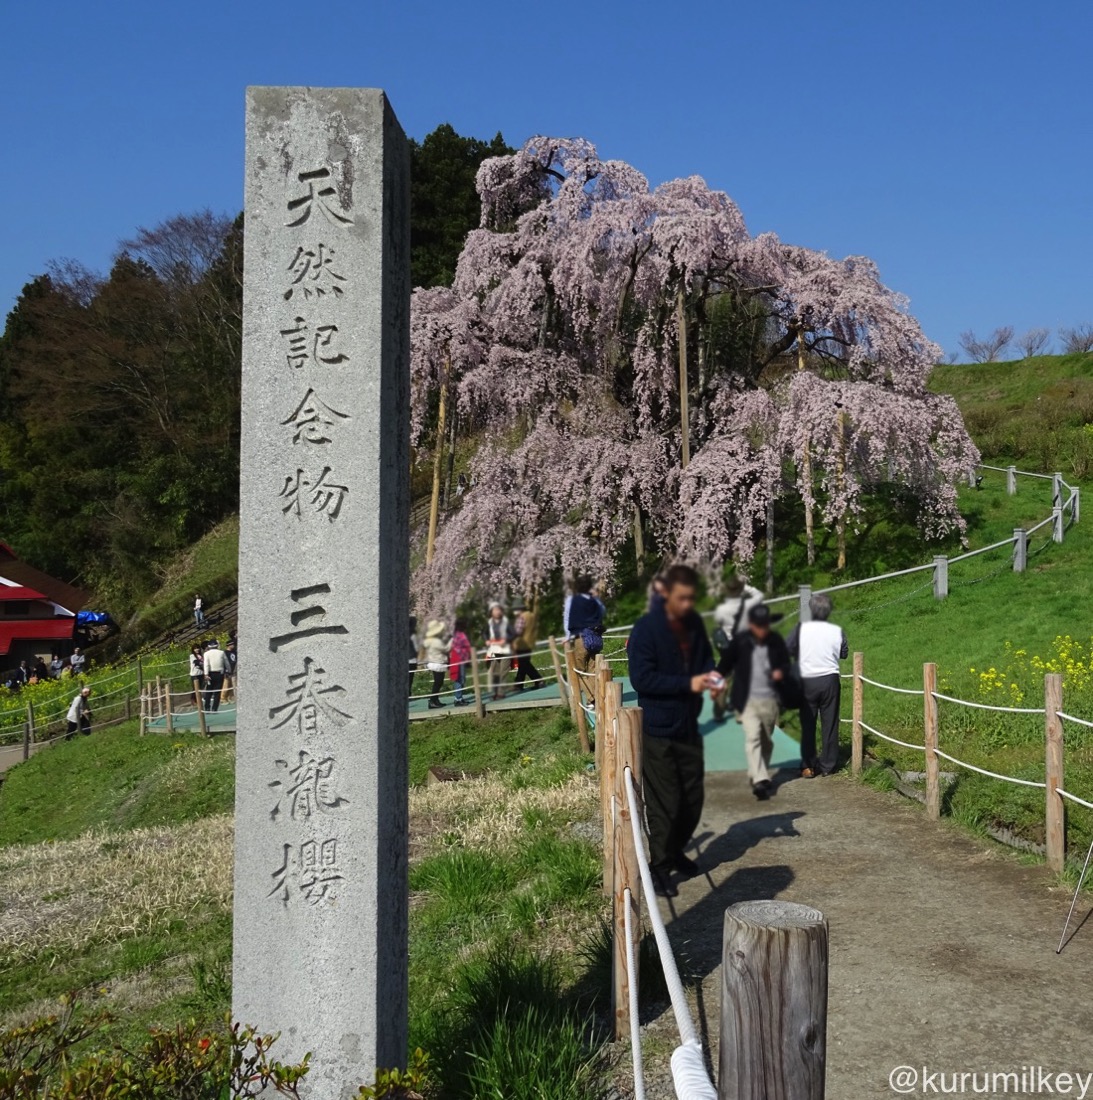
{"x": 215, "y": 666}
{"x": 731, "y": 618}
{"x": 759, "y": 663}
{"x": 584, "y": 619}
{"x": 671, "y": 662}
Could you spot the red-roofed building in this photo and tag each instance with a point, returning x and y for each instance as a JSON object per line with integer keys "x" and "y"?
{"x": 37, "y": 612}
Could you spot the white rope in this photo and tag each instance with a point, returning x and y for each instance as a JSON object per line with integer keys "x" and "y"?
{"x": 689, "y": 1074}
{"x": 680, "y": 1008}
{"x": 992, "y": 775}
{"x": 1074, "y": 798}
{"x": 635, "y": 1015}
{"x": 888, "y": 687}
{"x": 885, "y": 737}
{"x": 987, "y": 706}
{"x": 1071, "y": 718}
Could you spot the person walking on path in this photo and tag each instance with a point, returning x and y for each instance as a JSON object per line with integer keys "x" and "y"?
{"x": 216, "y": 667}
{"x": 523, "y": 645}
{"x": 436, "y": 659}
{"x": 671, "y": 665}
{"x": 197, "y": 673}
{"x": 459, "y": 657}
{"x": 819, "y": 646}
{"x": 584, "y": 616}
{"x": 199, "y": 613}
{"x": 498, "y": 648}
{"x": 731, "y": 616}
{"x": 758, "y": 661}
{"x": 79, "y": 714}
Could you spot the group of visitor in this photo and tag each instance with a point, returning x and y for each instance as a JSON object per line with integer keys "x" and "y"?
{"x": 213, "y": 673}
{"x": 59, "y": 668}
{"x": 757, "y": 676}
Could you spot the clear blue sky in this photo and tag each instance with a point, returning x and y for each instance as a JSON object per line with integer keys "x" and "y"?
{"x": 947, "y": 139}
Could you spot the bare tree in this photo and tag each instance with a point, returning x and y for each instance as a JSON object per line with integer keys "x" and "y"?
{"x": 952, "y": 357}
{"x": 1033, "y": 342}
{"x": 1077, "y": 339}
{"x": 989, "y": 349}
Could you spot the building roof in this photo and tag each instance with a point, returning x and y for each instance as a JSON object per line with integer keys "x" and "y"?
{"x": 35, "y": 630}
{"x": 21, "y": 575}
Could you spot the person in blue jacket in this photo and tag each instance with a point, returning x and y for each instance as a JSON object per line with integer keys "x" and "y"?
{"x": 671, "y": 665}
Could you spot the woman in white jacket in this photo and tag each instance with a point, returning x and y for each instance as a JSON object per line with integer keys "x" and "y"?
{"x": 436, "y": 658}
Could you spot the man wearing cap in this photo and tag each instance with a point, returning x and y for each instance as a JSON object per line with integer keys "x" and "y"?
{"x": 670, "y": 667}
{"x": 758, "y": 661}
{"x": 79, "y": 714}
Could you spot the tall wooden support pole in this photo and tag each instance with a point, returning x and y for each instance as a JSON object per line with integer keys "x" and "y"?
{"x": 1054, "y": 811}
{"x": 770, "y": 544}
{"x": 855, "y": 729}
{"x": 773, "y": 1002}
{"x": 627, "y": 872}
{"x": 840, "y": 525}
{"x": 556, "y": 661}
{"x": 159, "y": 697}
{"x": 806, "y": 466}
{"x": 140, "y": 676}
{"x": 639, "y": 543}
{"x": 612, "y": 704}
{"x": 930, "y": 725}
{"x": 684, "y": 409}
{"x": 438, "y": 460}
{"x": 575, "y": 702}
{"x": 476, "y": 683}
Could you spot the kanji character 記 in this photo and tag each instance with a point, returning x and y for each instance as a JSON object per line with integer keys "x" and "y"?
{"x": 323, "y": 496}
{"x": 319, "y": 193}
{"x": 312, "y": 419}
{"x": 308, "y": 699}
{"x": 312, "y": 870}
{"x": 306, "y": 788}
{"x": 310, "y": 620}
{"x": 311, "y": 269}
{"x": 317, "y": 344}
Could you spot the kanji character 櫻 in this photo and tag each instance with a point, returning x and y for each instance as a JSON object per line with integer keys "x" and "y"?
{"x": 313, "y": 870}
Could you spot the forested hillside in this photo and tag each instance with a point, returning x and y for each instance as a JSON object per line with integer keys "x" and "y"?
{"x": 119, "y": 391}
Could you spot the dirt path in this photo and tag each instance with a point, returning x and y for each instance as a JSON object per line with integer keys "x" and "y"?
{"x": 942, "y": 948}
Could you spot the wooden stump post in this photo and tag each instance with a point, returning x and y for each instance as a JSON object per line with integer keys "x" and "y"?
{"x": 575, "y": 708}
{"x": 476, "y": 682}
{"x": 143, "y": 713}
{"x": 930, "y": 723}
{"x": 608, "y": 739}
{"x": 168, "y": 707}
{"x": 28, "y": 734}
{"x": 1054, "y": 811}
{"x": 773, "y": 1002}
{"x": 627, "y": 872}
{"x": 855, "y": 729}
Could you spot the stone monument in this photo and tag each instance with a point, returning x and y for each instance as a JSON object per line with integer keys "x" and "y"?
{"x": 320, "y": 950}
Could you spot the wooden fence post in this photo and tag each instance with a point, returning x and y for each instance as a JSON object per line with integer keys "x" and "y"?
{"x": 1011, "y": 480}
{"x": 1054, "y": 811}
{"x": 855, "y": 729}
{"x": 1076, "y": 506}
{"x": 612, "y": 704}
{"x": 1057, "y": 490}
{"x": 804, "y": 598}
{"x": 476, "y": 683}
{"x": 575, "y": 708}
{"x": 1057, "y": 527}
{"x": 773, "y": 1002}
{"x": 159, "y": 697}
{"x": 140, "y": 676}
{"x": 557, "y": 662}
{"x": 627, "y": 872}
{"x": 930, "y": 716}
{"x": 168, "y": 708}
{"x": 143, "y": 713}
{"x": 128, "y": 707}
{"x": 26, "y": 739}
{"x": 1020, "y": 549}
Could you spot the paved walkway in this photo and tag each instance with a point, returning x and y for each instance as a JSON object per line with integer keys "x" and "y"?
{"x": 942, "y": 946}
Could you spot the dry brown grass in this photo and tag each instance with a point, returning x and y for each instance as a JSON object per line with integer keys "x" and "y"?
{"x": 486, "y": 813}
{"x": 104, "y": 887}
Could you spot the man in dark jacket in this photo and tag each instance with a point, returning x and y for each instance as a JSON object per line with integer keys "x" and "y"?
{"x": 670, "y": 667}
{"x": 758, "y": 661}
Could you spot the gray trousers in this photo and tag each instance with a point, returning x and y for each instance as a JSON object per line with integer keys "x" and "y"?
{"x": 821, "y": 705}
